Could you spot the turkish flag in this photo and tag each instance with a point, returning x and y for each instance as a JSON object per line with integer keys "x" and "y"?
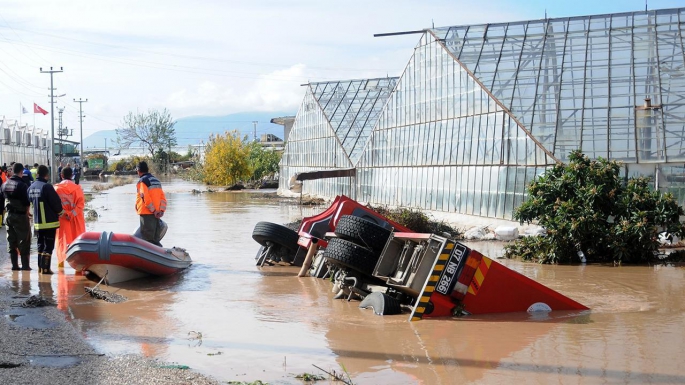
{"x": 38, "y": 110}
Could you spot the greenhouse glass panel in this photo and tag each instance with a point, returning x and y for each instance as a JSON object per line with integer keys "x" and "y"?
{"x": 480, "y": 110}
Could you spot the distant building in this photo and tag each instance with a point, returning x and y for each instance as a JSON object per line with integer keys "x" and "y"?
{"x": 287, "y": 123}
{"x": 21, "y": 142}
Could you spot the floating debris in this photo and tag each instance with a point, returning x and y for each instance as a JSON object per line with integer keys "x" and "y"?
{"x": 36, "y": 301}
{"x": 91, "y": 215}
{"x": 105, "y": 295}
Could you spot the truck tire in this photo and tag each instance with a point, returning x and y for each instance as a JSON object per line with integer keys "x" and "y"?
{"x": 347, "y": 254}
{"x": 362, "y": 232}
{"x": 280, "y": 235}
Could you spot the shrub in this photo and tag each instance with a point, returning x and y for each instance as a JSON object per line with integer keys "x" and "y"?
{"x": 127, "y": 164}
{"x": 585, "y": 206}
{"x": 226, "y": 159}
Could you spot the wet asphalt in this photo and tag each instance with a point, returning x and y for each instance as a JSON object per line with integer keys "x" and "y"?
{"x": 39, "y": 345}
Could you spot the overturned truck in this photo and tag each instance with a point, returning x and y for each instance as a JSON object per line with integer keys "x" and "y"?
{"x": 390, "y": 268}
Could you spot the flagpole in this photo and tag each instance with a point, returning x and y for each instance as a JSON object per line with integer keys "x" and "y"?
{"x": 20, "y": 113}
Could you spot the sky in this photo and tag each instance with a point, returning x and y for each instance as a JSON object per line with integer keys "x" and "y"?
{"x": 217, "y": 57}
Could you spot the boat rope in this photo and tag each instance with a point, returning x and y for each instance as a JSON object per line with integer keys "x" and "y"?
{"x": 103, "y": 294}
{"x": 95, "y": 287}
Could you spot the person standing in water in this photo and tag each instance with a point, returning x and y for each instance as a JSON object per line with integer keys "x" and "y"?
{"x": 47, "y": 210}
{"x": 17, "y": 221}
{"x": 72, "y": 223}
{"x": 150, "y": 204}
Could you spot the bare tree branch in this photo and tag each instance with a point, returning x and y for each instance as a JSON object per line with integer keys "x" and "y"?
{"x": 153, "y": 130}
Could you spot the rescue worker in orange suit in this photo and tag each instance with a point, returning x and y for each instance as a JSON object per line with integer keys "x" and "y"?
{"x": 3, "y": 174}
{"x": 150, "y": 204}
{"x": 47, "y": 209}
{"x": 17, "y": 221}
{"x": 72, "y": 223}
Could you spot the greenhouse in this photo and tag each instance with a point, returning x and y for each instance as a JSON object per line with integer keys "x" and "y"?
{"x": 480, "y": 110}
{"x": 22, "y": 143}
{"x": 332, "y": 126}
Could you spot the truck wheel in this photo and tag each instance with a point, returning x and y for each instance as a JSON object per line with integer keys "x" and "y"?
{"x": 363, "y": 232}
{"x": 270, "y": 232}
{"x": 345, "y": 253}
{"x": 381, "y": 303}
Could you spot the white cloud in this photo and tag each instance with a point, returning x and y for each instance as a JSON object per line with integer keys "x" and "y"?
{"x": 267, "y": 93}
{"x": 214, "y": 56}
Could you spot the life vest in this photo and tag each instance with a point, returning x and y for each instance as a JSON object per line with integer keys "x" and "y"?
{"x": 150, "y": 196}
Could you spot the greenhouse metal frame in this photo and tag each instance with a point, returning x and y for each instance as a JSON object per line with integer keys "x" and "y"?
{"x": 481, "y": 110}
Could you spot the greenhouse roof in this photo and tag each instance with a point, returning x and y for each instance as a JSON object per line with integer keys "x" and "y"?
{"x": 611, "y": 85}
{"x": 352, "y": 108}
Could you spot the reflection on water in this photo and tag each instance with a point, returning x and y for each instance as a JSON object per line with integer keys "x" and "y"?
{"x": 228, "y": 318}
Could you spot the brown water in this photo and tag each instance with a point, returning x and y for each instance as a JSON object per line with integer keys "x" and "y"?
{"x": 228, "y": 318}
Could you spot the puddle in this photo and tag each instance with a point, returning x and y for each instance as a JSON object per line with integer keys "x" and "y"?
{"x": 54, "y": 361}
{"x": 267, "y": 324}
{"x": 29, "y": 318}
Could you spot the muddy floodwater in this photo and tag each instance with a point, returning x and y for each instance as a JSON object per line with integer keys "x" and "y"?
{"x": 227, "y": 318}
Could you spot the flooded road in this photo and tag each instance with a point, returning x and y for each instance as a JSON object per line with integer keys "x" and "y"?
{"x": 230, "y": 319}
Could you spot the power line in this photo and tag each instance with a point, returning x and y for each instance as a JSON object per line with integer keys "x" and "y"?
{"x": 19, "y": 37}
{"x": 203, "y": 58}
{"x": 175, "y": 68}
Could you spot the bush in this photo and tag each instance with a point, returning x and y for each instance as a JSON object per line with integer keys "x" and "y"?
{"x": 226, "y": 159}
{"x": 263, "y": 162}
{"x": 127, "y": 164}
{"x": 585, "y": 206}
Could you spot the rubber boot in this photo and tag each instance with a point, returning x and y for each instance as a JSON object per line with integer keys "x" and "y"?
{"x": 46, "y": 263}
{"x": 40, "y": 263}
{"x": 25, "y": 262}
{"x": 15, "y": 261}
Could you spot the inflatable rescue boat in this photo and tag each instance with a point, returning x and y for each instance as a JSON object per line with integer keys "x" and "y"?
{"x": 123, "y": 257}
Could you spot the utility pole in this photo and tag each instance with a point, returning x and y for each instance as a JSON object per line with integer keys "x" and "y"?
{"x": 80, "y": 117}
{"x": 254, "y": 132}
{"x": 60, "y": 132}
{"x": 53, "y": 178}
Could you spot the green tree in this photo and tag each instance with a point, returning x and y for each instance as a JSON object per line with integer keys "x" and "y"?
{"x": 585, "y": 207}
{"x": 226, "y": 159}
{"x": 262, "y": 161}
{"x": 153, "y": 130}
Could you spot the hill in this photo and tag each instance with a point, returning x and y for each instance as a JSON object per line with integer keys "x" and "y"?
{"x": 194, "y": 129}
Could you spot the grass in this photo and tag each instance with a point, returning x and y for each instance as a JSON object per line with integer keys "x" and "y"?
{"x": 310, "y": 377}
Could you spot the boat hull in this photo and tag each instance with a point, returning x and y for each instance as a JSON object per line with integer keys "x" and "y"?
{"x": 123, "y": 257}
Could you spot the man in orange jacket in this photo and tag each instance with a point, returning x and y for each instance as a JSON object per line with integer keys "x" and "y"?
{"x": 72, "y": 223}
{"x": 150, "y": 204}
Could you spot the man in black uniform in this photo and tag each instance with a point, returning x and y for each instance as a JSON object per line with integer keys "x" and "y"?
{"x": 47, "y": 208}
{"x": 17, "y": 219}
